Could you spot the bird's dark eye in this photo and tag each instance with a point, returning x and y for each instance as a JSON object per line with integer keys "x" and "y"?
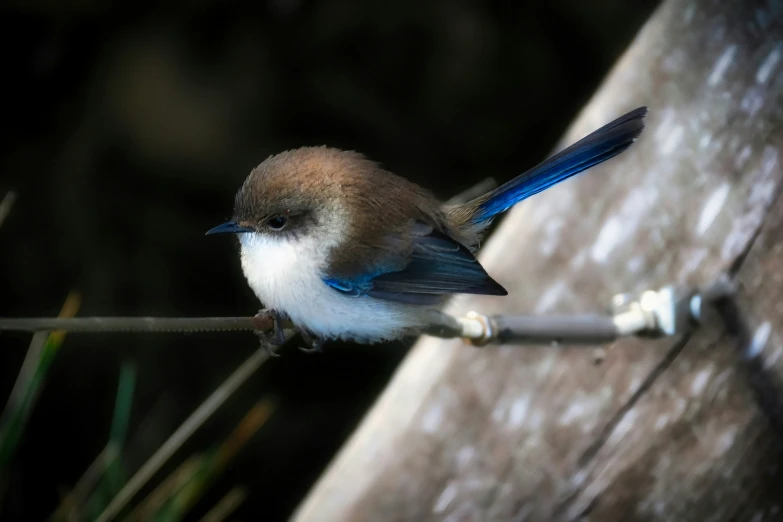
{"x": 277, "y": 222}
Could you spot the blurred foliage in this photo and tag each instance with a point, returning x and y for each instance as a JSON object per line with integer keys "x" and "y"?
{"x": 30, "y": 381}
{"x": 127, "y": 128}
{"x": 106, "y": 482}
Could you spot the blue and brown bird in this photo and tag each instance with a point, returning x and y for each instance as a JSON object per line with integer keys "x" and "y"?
{"x": 347, "y": 250}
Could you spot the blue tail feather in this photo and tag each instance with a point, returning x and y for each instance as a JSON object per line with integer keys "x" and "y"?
{"x": 599, "y": 146}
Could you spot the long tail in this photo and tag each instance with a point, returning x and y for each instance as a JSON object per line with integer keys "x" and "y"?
{"x": 607, "y": 142}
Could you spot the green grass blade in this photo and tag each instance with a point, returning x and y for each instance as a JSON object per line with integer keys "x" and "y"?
{"x": 115, "y": 475}
{"x": 29, "y": 384}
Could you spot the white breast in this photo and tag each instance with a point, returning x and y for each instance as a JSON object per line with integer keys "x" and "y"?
{"x": 286, "y": 274}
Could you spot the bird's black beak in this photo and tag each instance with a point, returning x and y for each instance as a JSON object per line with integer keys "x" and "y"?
{"x": 229, "y": 227}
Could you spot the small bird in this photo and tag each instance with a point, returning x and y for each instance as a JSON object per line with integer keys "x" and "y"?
{"x": 347, "y": 250}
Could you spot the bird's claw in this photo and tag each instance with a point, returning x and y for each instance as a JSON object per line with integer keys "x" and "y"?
{"x": 276, "y": 337}
{"x": 269, "y": 350}
{"x": 267, "y": 338}
{"x": 316, "y": 344}
{"x": 317, "y": 347}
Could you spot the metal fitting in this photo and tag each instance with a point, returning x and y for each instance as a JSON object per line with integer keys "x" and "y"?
{"x": 656, "y": 313}
{"x": 477, "y": 329}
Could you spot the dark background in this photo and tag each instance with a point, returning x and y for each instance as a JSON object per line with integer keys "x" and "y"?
{"x": 127, "y": 127}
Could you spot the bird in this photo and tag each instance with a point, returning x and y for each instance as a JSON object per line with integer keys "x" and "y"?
{"x": 334, "y": 243}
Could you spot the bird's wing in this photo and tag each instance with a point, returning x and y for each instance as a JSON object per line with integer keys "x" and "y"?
{"x": 438, "y": 265}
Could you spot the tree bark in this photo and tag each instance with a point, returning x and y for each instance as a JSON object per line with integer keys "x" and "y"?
{"x": 673, "y": 429}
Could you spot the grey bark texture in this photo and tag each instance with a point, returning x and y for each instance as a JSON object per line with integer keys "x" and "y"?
{"x": 672, "y": 429}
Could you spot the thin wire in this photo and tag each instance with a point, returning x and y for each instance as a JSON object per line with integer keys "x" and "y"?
{"x": 594, "y": 329}
{"x": 518, "y": 330}
{"x": 128, "y": 324}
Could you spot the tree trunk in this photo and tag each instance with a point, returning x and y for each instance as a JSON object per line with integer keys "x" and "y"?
{"x": 671, "y": 429}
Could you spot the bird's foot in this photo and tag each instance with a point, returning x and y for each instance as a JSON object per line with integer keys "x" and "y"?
{"x": 316, "y": 343}
{"x": 275, "y": 337}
